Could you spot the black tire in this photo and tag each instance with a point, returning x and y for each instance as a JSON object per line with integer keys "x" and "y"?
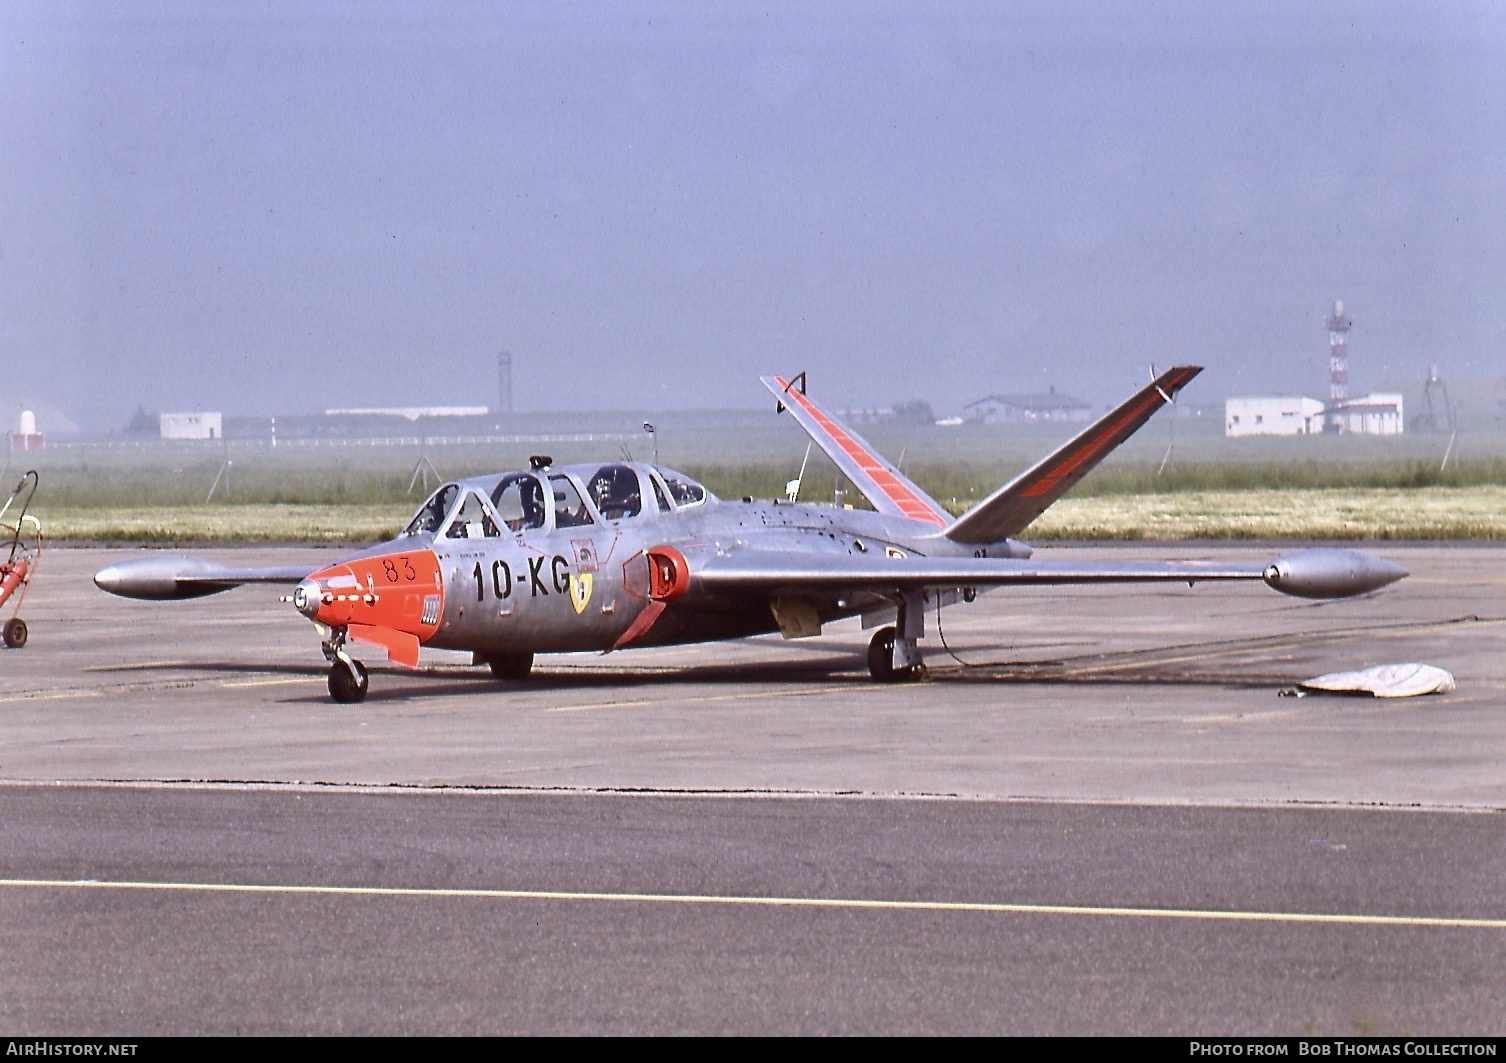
{"x": 345, "y": 688}
{"x": 511, "y": 665}
{"x": 15, "y": 633}
{"x": 881, "y": 660}
{"x": 881, "y": 657}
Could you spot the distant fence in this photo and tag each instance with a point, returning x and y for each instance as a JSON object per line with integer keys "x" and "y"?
{"x": 377, "y": 441}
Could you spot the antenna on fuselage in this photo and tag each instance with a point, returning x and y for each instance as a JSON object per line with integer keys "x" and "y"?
{"x": 655, "y": 436}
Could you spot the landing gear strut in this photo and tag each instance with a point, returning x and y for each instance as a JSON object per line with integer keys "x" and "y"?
{"x": 348, "y": 681}
{"x": 894, "y": 654}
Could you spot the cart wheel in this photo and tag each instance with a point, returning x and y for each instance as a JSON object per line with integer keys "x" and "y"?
{"x": 15, "y": 633}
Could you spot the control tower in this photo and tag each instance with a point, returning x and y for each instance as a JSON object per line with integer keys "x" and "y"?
{"x": 1339, "y": 325}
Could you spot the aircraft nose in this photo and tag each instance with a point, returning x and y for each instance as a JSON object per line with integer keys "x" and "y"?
{"x": 306, "y": 597}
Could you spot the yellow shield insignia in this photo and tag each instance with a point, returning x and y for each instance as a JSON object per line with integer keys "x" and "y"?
{"x": 580, "y": 590}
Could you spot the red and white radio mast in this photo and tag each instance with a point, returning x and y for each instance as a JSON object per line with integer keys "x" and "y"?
{"x": 1339, "y": 325}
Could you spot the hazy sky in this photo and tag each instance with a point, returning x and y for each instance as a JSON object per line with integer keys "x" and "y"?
{"x": 264, "y": 207}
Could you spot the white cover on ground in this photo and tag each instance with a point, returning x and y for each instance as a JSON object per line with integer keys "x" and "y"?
{"x": 1386, "y": 681}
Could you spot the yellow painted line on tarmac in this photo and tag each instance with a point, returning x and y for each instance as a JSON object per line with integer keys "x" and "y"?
{"x": 242, "y": 683}
{"x": 749, "y": 696}
{"x": 138, "y": 666}
{"x": 1472, "y": 580}
{"x": 1241, "y": 717}
{"x": 1327, "y": 918}
{"x": 57, "y": 695}
{"x": 1150, "y": 660}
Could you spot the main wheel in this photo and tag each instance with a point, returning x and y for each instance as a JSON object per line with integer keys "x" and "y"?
{"x": 346, "y": 688}
{"x": 15, "y": 633}
{"x": 511, "y": 665}
{"x": 881, "y": 658}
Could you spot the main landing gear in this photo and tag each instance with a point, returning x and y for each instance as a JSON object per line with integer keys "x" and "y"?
{"x": 348, "y": 681}
{"x": 15, "y": 633}
{"x": 894, "y": 654}
{"x": 881, "y": 660}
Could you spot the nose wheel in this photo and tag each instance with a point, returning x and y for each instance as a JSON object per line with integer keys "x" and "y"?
{"x": 348, "y": 681}
{"x": 15, "y": 633}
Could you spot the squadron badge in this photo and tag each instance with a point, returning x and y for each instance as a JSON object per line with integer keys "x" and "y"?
{"x": 580, "y": 590}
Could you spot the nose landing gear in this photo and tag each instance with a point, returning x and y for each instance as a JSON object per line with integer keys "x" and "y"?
{"x": 348, "y": 680}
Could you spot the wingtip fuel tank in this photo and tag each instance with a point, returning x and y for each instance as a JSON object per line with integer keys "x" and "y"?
{"x": 1327, "y": 572}
{"x": 173, "y": 577}
{"x": 160, "y": 578}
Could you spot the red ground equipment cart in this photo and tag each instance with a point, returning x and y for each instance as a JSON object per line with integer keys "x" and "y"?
{"x": 25, "y": 550}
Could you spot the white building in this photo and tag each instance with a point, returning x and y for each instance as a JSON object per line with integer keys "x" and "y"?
{"x": 410, "y": 413}
{"x": 1379, "y": 414}
{"x": 191, "y": 426}
{"x": 1289, "y": 415}
{"x": 1016, "y": 409}
{"x": 1286, "y": 415}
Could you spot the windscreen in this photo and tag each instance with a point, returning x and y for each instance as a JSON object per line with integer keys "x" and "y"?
{"x": 684, "y": 490}
{"x": 433, "y": 512}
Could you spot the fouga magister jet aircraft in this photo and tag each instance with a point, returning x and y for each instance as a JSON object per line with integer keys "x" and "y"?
{"x": 621, "y": 554}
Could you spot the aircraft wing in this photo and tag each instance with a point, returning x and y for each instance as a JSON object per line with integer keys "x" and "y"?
{"x": 1010, "y": 509}
{"x": 889, "y": 490}
{"x": 1313, "y": 573}
{"x": 164, "y": 577}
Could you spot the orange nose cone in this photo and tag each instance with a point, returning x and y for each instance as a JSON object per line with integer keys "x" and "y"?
{"x": 401, "y": 591}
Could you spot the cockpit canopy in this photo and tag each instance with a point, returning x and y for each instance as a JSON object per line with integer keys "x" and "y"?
{"x": 616, "y": 491}
{"x": 519, "y": 501}
{"x": 546, "y": 499}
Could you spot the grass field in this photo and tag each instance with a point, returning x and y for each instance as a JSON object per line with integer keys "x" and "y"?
{"x": 1328, "y": 513}
{"x": 1185, "y": 482}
